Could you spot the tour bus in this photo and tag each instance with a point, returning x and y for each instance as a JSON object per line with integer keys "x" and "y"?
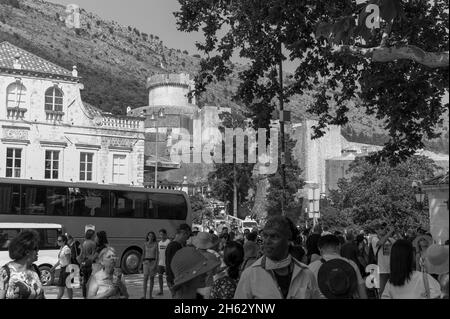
{"x": 126, "y": 213}
{"x": 48, "y": 249}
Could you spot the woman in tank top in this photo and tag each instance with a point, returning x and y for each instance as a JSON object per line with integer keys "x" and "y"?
{"x": 149, "y": 262}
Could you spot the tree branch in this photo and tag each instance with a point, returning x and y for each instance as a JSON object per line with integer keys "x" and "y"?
{"x": 387, "y": 54}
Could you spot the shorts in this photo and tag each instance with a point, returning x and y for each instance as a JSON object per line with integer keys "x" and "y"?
{"x": 62, "y": 277}
{"x": 161, "y": 269}
{"x": 149, "y": 267}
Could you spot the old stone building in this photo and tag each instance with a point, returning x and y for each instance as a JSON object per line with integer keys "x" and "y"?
{"x": 49, "y": 133}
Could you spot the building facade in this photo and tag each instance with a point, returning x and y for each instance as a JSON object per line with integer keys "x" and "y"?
{"x": 49, "y": 133}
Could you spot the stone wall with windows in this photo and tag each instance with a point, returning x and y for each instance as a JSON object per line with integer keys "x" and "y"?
{"x": 48, "y": 133}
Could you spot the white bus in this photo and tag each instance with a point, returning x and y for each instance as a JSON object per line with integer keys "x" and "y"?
{"x": 127, "y": 214}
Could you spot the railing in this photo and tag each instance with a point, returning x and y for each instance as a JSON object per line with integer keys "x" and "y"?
{"x": 15, "y": 113}
{"x": 54, "y": 115}
{"x": 130, "y": 123}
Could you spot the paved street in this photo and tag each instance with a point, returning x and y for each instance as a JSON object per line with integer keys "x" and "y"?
{"x": 134, "y": 285}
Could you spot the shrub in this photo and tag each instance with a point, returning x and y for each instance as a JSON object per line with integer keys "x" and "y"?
{"x": 12, "y": 3}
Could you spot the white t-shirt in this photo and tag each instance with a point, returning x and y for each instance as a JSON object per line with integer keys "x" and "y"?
{"x": 412, "y": 289}
{"x": 384, "y": 254}
{"x": 64, "y": 256}
{"x": 162, "y": 245}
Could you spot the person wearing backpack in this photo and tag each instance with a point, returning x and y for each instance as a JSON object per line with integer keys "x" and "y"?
{"x": 75, "y": 249}
{"x": 339, "y": 273}
{"x": 18, "y": 278}
{"x": 86, "y": 258}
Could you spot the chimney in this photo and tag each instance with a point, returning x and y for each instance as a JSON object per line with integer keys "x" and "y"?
{"x": 17, "y": 64}
{"x": 74, "y": 71}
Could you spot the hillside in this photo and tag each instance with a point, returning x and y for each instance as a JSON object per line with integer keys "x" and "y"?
{"x": 115, "y": 60}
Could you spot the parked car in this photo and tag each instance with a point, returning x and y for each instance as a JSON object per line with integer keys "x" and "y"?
{"x": 48, "y": 249}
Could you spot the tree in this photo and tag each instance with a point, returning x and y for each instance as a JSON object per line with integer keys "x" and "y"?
{"x": 230, "y": 182}
{"x": 377, "y": 193}
{"x": 200, "y": 211}
{"x": 403, "y": 93}
{"x": 293, "y": 205}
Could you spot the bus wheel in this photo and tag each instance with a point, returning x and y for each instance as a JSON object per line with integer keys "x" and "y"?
{"x": 130, "y": 261}
{"x": 46, "y": 275}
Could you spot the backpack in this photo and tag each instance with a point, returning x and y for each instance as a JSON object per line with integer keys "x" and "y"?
{"x": 75, "y": 251}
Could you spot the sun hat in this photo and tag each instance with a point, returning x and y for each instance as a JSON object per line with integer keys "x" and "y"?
{"x": 205, "y": 240}
{"x": 418, "y": 239}
{"x": 436, "y": 259}
{"x": 337, "y": 279}
{"x": 189, "y": 263}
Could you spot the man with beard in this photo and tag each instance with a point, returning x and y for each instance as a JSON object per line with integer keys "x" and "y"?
{"x": 277, "y": 275}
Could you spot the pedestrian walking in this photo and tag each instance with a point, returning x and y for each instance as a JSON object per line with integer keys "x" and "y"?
{"x": 162, "y": 246}
{"x": 182, "y": 234}
{"x": 224, "y": 287}
{"x": 405, "y": 282}
{"x": 339, "y": 279}
{"x": 86, "y": 259}
{"x": 251, "y": 251}
{"x": 381, "y": 246}
{"x": 421, "y": 244}
{"x": 190, "y": 270}
{"x": 149, "y": 262}
{"x": 108, "y": 282}
{"x": 64, "y": 258}
{"x": 277, "y": 275}
{"x": 205, "y": 242}
{"x": 19, "y": 278}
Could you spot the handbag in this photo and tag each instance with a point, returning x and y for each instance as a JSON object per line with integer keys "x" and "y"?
{"x": 426, "y": 284}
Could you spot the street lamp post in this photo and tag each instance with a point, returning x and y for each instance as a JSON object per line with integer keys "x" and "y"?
{"x": 418, "y": 193}
{"x": 154, "y": 118}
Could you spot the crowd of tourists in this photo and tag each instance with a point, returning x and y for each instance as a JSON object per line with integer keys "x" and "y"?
{"x": 277, "y": 262}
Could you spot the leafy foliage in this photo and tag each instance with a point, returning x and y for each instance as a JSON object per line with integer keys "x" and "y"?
{"x": 223, "y": 178}
{"x": 405, "y": 95}
{"x": 378, "y": 193}
{"x": 293, "y": 206}
{"x": 200, "y": 210}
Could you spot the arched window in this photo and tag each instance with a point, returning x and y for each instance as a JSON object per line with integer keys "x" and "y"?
{"x": 16, "y": 96}
{"x": 54, "y": 99}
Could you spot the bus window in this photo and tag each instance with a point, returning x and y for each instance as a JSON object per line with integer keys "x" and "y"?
{"x": 34, "y": 199}
{"x": 169, "y": 206}
{"x": 56, "y": 201}
{"x": 47, "y": 237}
{"x": 10, "y": 199}
{"x": 88, "y": 202}
{"x": 128, "y": 204}
{"x": 5, "y": 237}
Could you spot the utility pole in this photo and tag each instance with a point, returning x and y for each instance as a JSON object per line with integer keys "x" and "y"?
{"x": 282, "y": 119}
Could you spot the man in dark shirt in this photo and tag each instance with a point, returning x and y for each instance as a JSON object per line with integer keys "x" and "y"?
{"x": 181, "y": 236}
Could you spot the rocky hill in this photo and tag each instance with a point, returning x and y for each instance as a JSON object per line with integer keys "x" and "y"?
{"x": 114, "y": 61}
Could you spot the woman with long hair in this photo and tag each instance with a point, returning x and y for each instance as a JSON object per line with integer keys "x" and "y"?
{"x": 108, "y": 282}
{"x": 18, "y": 278}
{"x": 225, "y": 286}
{"x": 149, "y": 262}
{"x": 405, "y": 282}
{"x": 101, "y": 240}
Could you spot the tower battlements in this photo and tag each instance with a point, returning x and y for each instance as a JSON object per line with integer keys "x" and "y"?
{"x": 181, "y": 79}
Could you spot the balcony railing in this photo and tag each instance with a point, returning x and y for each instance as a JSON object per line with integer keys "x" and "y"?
{"x": 54, "y": 115}
{"x": 15, "y": 113}
{"x": 130, "y": 123}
